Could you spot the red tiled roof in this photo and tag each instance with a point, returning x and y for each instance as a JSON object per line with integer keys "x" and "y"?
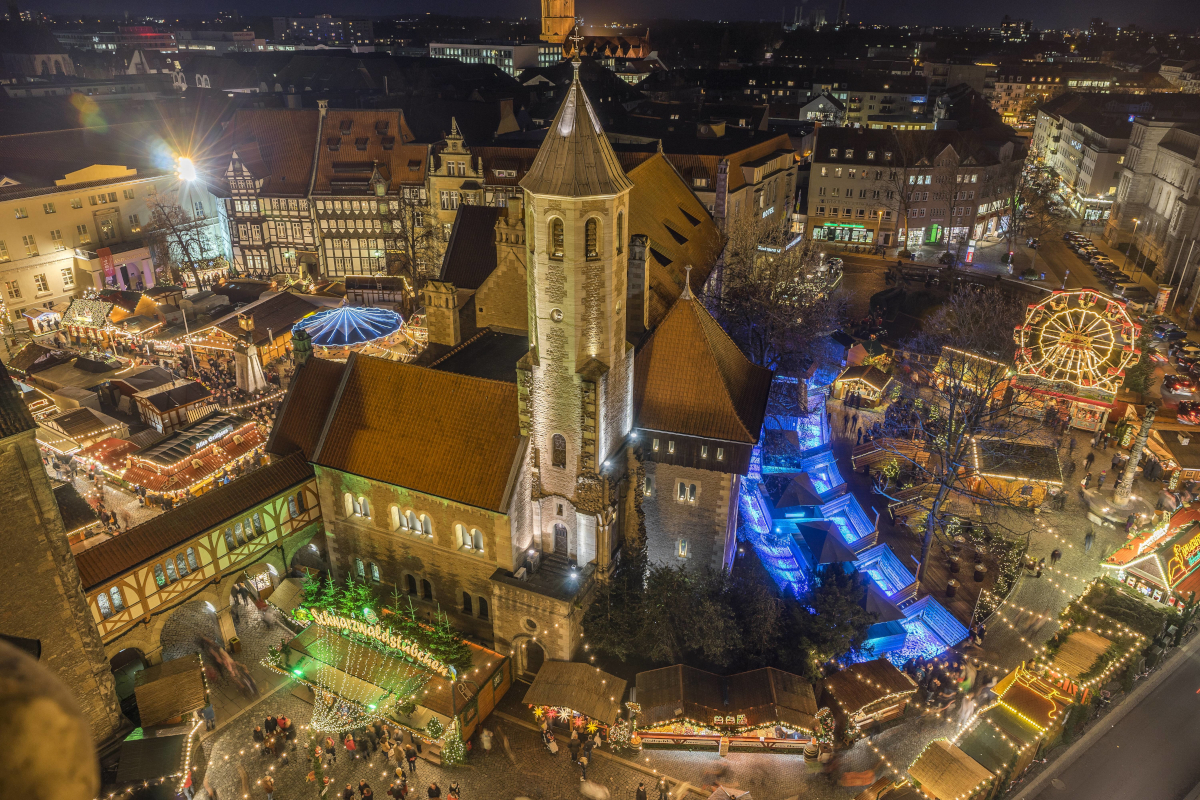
{"x": 210, "y": 463}
{"x": 277, "y": 145}
{"x": 305, "y": 408}
{"x": 439, "y": 433}
{"x": 690, "y": 378}
{"x": 383, "y": 149}
{"x": 118, "y": 555}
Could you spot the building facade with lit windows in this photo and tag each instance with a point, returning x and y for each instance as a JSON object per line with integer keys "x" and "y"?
{"x": 1086, "y": 151}
{"x": 72, "y": 207}
{"x": 510, "y": 57}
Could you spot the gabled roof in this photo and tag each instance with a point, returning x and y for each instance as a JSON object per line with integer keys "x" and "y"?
{"x": 945, "y": 772}
{"x": 825, "y": 543}
{"x": 791, "y": 490}
{"x": 690, "y": 378}
{"x": 302, "y": 416}
{"x": 277, "y": 145}
{"x": 272, "y": 316}
{"x": 471, "y": 252}
{"x": 764, "y": 696}
{"x": 679, "y": 230}
{"x": 120, "y": 554}
{"x": 357, "y": 143}
{"x": 439, "y": 433}
{"x": 575, "y": 159}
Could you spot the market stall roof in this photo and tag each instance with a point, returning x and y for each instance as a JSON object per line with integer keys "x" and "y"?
{"x": 183, "y": 443}
{"x": 729, "y": 793}
{"x": 82, "y": 422}
{"x": 826, "y": 543}
{"x": 273, "y": 316}
{"x": 199, "y": 468}
{"x": 56, "y": 440}
{"x": 579, "y": 687}
{"x": 170, "y": 689}
{"x": 1008, "y": 460}
{"x": 372, "y": 667}
{"x": 1079, "y": 652}
{"x": 145, "y": 377}
{"x": 34, "y": 357}
{"x": 1187, "y": 456}
{"x": 790, "y": 490}
{"x": 109, "y": 452}
{"x": 181, "y": 393}
{"x": 348, "y": 326}
{"x": 765, "y": 696}
{"x": 860, "y": 685}
{"x": 149, "y": 758}
{"x": 288, "y": 594}
{"x": 945, "y": 772}
{"x": 874, "y": 377}
{"x": 1032, "y": 697}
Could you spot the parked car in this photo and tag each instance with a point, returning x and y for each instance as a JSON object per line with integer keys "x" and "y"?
{"x": 1188, "y": 412}
{"x": 1169, "y": 331}
{"x": 1139, "y": 295}
{"x": 1179, "y": 384}
{"x": 1182, "y": 347}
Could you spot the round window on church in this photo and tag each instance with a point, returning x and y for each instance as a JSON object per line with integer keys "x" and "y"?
{"x": 556, "y": 315}
{"x": 531, "y": 625}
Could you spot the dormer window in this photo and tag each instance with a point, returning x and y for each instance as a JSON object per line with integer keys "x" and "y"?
{"x": 334, "y": 143}
{"x": 388, "y": 142}
{"x": 849, "y": 153}
{"x": 833, "y": 152}
{"x": 360, "y": 143}
{"x": 345, "y": 126}
{"x": 870, "y": 155}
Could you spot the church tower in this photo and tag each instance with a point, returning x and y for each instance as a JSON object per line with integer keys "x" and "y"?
{"x": 558, "y": 18}
{"x": 44, "y": 599}
{"x": 576, "y": 380}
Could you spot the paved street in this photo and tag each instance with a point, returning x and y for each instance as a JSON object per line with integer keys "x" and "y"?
{"x": 1150, "y": 753}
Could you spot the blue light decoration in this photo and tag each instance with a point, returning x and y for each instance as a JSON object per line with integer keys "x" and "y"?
{"x": 931, "y": 629}
{"x": 774, "y": 553}
{"x": 349, "y": 326}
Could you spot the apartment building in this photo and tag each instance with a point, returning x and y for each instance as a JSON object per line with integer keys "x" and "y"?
{"x": 72, "y": 207}
{"x": 324, "y": 29}
{"x": 941, "y": 75}
{"x": 140, "y": 37}
{"x": 1020, "y": 88}
{"x": 866, "y": 188}
{"x": 1085, "y": 147}
{"x": 1156, "y": 200}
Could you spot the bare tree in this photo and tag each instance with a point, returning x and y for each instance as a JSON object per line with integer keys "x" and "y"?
{"x": 1042, "y": 215}
{"x": 898, "y": 180}
{"x": 1005, "y": 185}
{"x": 962, "y": 409}
{"x": 178, "y": 240}
{"x": 774, "y": 300}
{"x": 417, "y": 243}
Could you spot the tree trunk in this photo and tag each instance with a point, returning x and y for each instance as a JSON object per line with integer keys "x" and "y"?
{"x": 927, "y": 540}
{"x": 1121, "y": 494}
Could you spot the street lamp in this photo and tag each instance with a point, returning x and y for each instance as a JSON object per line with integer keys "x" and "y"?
{"x": 186, "y": 169}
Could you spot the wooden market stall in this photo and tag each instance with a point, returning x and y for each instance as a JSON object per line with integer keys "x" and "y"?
{"x": 158, "y": 762}
{"x": 867, "y": 693}
{"x": 945, "y": 772}
{"x": 1162, "y": 561}
{"x": 1020, "y": 473}
{"x": 169, "y": 692}
{"x": 574, "y": 695}
{"x": 870, "y": 382}
{"x": 761, "y": 709}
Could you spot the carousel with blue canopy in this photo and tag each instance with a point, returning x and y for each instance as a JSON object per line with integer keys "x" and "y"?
{"x": 337, "y": 332}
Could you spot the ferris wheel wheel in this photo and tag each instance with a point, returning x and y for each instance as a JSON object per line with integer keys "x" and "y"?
{"x": 1079, "y": 337}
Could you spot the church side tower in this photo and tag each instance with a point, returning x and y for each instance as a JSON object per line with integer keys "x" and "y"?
{"x": 578, "y": 376}
{"x": 558, "y": 18}
{"x": 44, "y": 598}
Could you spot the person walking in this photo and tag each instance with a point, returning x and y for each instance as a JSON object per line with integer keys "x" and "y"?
{"x": 573, "y": 746}
{"x": 663, "y": 794}
{"x": 349, "y": 743}
{"x": 583, "y": 762}
{"x": 854, "y": 420}
{"x": 1071, "y": 445}
{"x": 454, "y": 792}
{"x": 434, "y": 791}
{"x": 1087, "y": 480}
{"x": 1055, "y": 556}
{"x": 268, "y": 784}
{"x": 348, "y": 792}
{"x": 410, "y": 755}
{"x": 362, "y": 787}
{"x": 641, "y": 792}
{"x": 1087, "y": 541}
{"x": 1100, "y": 481}
{"x": 1040, "y": 566}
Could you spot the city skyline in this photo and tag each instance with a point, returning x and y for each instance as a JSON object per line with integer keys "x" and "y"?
{"x": 1159, "y": 15}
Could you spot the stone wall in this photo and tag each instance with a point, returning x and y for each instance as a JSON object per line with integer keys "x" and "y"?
{"x": 501, "y": 301}
{"x": 44, "y": 599}
{"x": 524, "y": 617}
{"x": 705, "y": 524}
{"x": 399, "y": 553}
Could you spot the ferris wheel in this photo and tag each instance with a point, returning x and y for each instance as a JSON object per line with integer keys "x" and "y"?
{"x": 1080, "y": 337}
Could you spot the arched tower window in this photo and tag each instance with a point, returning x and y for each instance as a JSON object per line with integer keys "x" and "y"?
{"x": 592, "y": 239}
{"x": 556, "y": 238}
{"x": 558, "y": 450}
{"x": 620, "y": 231}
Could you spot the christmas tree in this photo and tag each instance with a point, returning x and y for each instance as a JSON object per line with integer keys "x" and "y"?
{"x": 453, "y": 750}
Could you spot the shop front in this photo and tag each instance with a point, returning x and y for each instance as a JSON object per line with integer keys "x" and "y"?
{"x": 1160, "y": 561}
{"x": 844, "y": 232}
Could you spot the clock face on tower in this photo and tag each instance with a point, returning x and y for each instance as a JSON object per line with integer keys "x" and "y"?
{"x": 556, "y": 315}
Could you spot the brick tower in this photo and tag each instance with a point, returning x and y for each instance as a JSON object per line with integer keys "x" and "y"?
{"x": 558, "y": 17}
{"x": 44, "y": 598}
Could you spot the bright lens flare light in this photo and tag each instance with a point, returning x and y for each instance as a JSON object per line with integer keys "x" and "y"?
{"x": 187, "y": 169}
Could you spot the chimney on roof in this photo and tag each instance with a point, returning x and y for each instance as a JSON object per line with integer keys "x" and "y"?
{"x": 322, "y": 108}
{"x": 246, "y": 322}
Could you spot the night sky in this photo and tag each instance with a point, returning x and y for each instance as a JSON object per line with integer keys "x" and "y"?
{"x": 1153, "y": 14}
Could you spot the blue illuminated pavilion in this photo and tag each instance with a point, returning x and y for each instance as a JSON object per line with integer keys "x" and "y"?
{"x": 350, "y": 326}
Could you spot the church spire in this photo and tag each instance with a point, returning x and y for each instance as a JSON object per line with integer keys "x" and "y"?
{"x": 686, "y": 294}
{"x": 575, "y": 159}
